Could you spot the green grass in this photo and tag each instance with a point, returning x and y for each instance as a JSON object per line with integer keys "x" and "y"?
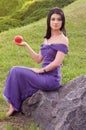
{"x": 74, "y": 64}
{"x": 18, "y": 13}
{"x": 76, "y": 21}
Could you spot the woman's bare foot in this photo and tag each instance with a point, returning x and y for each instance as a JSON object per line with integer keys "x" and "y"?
{"x": 11, "y": 110}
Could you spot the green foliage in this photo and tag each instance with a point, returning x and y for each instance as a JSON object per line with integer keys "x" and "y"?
{"x": 23, "y": 12}
{"x": 7, "y": 8}
{"x": 7, "y": 23}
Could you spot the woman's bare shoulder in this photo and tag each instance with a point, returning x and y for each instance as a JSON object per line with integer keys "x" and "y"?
{"x": 65, "y": 40}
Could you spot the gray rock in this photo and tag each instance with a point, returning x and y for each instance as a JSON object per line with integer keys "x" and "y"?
{"x": 64, "y": 109}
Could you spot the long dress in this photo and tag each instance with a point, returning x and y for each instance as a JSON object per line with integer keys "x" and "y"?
{"x": 22, "y": 82}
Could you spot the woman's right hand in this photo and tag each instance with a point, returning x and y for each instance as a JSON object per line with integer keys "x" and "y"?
{"x": 20, "y": 44}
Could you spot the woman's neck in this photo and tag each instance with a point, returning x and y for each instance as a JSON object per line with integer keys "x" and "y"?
{"x": 55, "y": 33}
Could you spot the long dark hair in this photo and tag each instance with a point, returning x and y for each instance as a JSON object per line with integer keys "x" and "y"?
{"x": 55, "y": 10}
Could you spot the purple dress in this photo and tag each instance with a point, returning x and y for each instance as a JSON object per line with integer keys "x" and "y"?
{"x": 22, "y": 82}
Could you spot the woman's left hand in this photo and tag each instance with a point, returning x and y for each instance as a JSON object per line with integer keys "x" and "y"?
{"x": 36, "y": 70}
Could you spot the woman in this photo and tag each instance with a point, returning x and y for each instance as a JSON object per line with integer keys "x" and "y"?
{"x": 23, "y": 82}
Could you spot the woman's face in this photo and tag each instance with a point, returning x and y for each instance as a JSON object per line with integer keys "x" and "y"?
{"x": 55, "y": 22}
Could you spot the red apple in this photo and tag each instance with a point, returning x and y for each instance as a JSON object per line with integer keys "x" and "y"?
{"x": 18, "y": 39}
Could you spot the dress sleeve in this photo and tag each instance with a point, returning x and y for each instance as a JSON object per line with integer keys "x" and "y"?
{"x": 60, "y": 47}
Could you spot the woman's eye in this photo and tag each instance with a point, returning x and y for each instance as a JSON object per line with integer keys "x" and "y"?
{"x": 53, "y": 19}
{"x": 59, "y": 19}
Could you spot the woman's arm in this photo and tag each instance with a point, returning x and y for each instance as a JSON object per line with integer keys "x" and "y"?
{"x": 57, "y": 62}
{"x": 36, "y": 57}
{"x": 54, "y": 64}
